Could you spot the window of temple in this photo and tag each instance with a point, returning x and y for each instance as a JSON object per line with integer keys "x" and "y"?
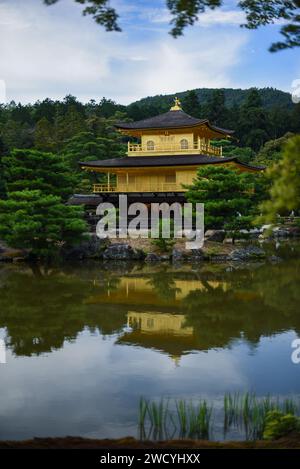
{"x": 170, "y": 177}
{"x": 184, "y": 144}
{"x": 150, "y": 145}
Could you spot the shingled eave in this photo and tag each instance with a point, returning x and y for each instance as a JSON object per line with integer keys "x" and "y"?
{"x": 169, "y": 120}
{"x": 163, "y": 161}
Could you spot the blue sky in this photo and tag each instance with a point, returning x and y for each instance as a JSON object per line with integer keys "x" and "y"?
{"x": 53, "y": 51}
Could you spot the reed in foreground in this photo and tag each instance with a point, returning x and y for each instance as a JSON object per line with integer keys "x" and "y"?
{"x": 245, "y": 413}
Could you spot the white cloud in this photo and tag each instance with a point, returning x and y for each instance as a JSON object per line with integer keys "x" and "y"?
{"x": 221, "y": 17}
{"x": 209, "y": 18}
{"x": 43, "y": 52}
{"x": 53, "y": 51}
{"x": 157, "y": 15}
{"x": 11, "y": 17}
{"x": 2, "y": 91}
{"x": 175, "y": 66}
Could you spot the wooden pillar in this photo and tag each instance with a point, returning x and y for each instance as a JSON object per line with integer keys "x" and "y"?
{"x": 127, "y": 180}
{"x": 108, "y": 181}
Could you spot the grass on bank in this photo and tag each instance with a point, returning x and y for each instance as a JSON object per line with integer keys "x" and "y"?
{"x": 248, "y": 414}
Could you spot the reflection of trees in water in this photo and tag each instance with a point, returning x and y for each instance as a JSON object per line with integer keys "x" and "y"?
{"x": 164, "y": 286}
{"x": 280, "y": 289}
{"x": 257, "y": 303}
{"x": 40, "y": 313}
{"x": 219, "y": 317}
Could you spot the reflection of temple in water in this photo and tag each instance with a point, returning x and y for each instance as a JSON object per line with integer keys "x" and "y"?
{"x": 159, "y": 323}
{"x": 156, "y": 311}
{"x": 166, "y": 332}
{"x": 147, "y": 291}
{"x": 173, "y": 311}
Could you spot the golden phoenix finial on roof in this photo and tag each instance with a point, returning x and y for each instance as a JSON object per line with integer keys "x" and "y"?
{"x": 177, "y": 105}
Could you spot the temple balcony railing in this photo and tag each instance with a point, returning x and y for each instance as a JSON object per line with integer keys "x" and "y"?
{"x": 137, "y": 149}
{"x": 135, "y": 187}
{"x": 98, "y": 188}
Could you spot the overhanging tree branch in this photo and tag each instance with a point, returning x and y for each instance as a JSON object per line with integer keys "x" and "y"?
{"x": 186, "y": 13}
{"x": 100, "y": 10}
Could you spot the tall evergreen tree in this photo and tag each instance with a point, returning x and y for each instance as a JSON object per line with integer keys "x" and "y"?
{"x": 216, "y": 110}
{"x": 136, "y": 112}
{"x": 279, "y": 121}
{"x": 3, "y": 188}
{"x": 108, "y": 107}
{"x": 21, "y": 113}
{"x": 45, "y": 108}
{"x": 36, "y": 170}
{"x": 191, "y": 104}
{"x": 284, "y": 176}
{"x": 295, "y": 119}
{"x": 35, "y": 216}
{"x": 43, "y": 135}
{"x": 86, "y": 147}
{"x": 67, "y": 125}
{"x": 272, "y": 151}
{"x": 229, "y": 197}
{"x": 15, "y": 134}
{"x": 252, "y": 123}
{"x": 40, "y": 223}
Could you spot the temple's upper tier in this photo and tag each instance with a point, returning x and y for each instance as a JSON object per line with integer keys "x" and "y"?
{"x": 173, "y": 119}
{"x": 173, "y": 133}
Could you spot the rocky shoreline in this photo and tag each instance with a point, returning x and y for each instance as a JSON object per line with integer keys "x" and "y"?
{"x": 218, "y": 247}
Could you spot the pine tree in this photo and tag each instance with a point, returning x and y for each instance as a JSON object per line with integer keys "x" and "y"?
{"x": 279, "y": 121}
{"x": 40, "y": 223}
{"x": 295, "y": 119}
{"x": 216, "y": 110}
{"x": 284, "y": 194}
{"x": 252, "y": 124}
{"x": 36, "y": 170}
{"x": 108, "y": 108}
{"x": 272, "y": 151}
{"x": 45, "y": 108}
{"x": 67, "y": 125}
{"x": 191, "y": 105}
{"x": 16, "y": 135}
{"x": 3, "y": 188}
{"x": 229, "y": 197}
{"x": 86, "y": 147}
{"x": 43, "y": 135}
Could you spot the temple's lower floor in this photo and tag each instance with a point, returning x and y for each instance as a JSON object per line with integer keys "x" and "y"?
{"x": 93, "y": 200}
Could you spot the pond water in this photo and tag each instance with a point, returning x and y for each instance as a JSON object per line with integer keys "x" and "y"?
{"x": 85, "y": 343}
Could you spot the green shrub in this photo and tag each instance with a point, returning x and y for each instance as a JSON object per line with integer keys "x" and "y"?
{"x": 278, "y": 424}
{"x": 162, "y": 243}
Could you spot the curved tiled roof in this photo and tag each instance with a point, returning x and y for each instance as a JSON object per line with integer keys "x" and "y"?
{"x": 169, "y": 120}
{"x": 155, "y": 161}
{"x": 85, "y": 199}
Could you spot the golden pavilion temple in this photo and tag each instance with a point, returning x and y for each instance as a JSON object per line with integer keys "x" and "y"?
{"x": 170, "y": 149}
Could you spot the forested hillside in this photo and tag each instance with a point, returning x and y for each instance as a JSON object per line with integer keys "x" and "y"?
{"x": 76, "y": 131}
{"x": 270, "y": 97}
